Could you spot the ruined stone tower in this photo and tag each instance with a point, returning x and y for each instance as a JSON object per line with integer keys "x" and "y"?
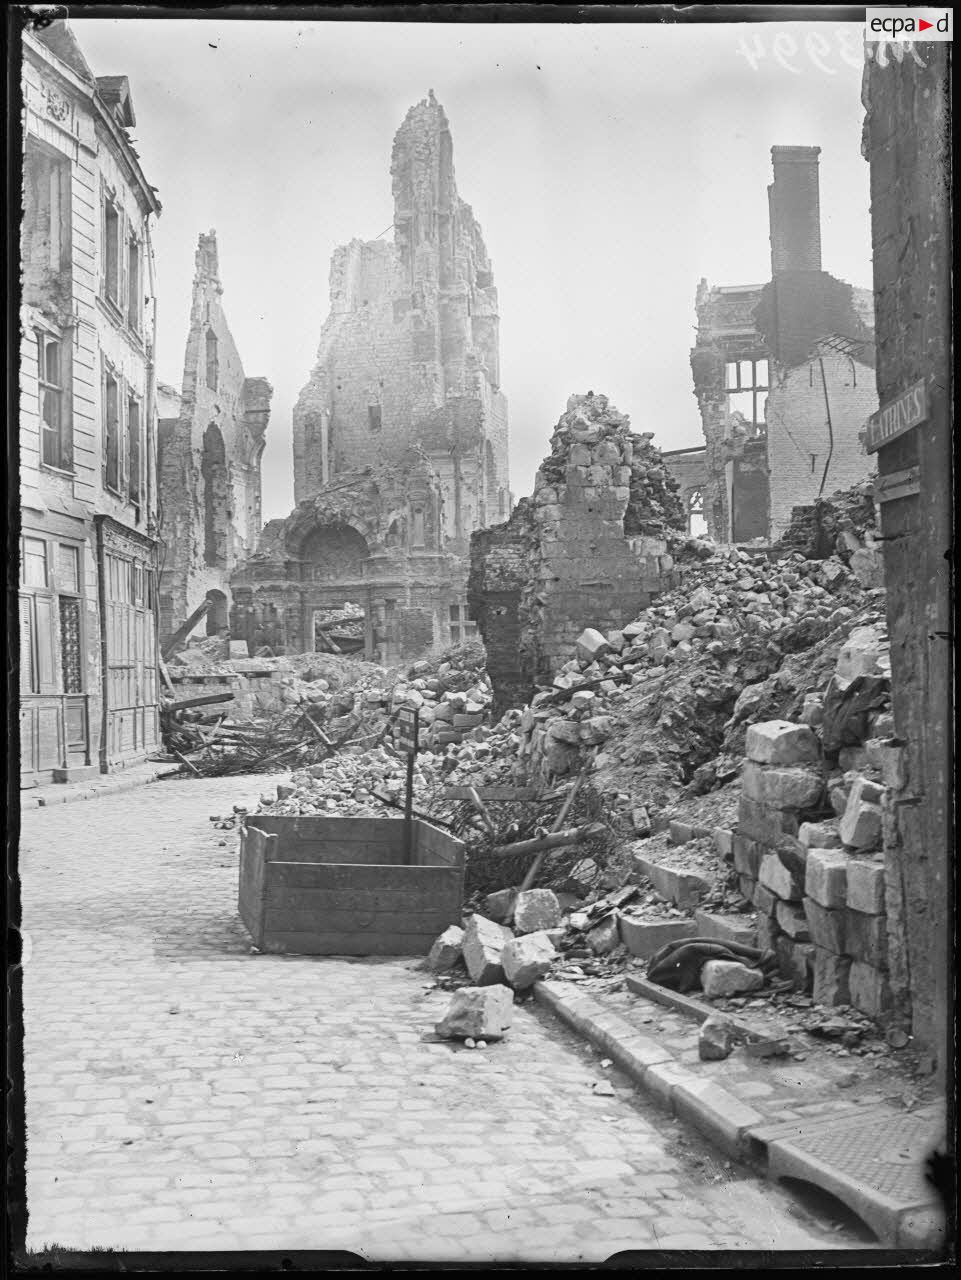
{"x": 400, "y": 435}
{"x": 211, "y": 441}
{"x": 409, "y": 353}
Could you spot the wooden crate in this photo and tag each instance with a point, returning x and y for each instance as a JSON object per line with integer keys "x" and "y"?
{"x": 340, "y": 886}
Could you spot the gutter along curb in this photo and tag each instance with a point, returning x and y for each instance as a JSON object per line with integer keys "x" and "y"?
{"x": 912, "y": 1221}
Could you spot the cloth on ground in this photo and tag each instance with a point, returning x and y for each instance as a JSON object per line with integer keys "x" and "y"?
{"x": 677, "y": 965}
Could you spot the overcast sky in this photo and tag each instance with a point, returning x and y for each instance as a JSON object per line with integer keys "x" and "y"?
{"x": 610, "y": 167}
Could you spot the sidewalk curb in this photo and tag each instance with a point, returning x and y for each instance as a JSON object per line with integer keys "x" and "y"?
{"x": 736, "y": 1128}
{"x": 47, "y": 797}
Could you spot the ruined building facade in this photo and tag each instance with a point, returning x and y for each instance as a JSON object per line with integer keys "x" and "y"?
{"x": 400, "y": 434}
{"x": 88, "y": 651}
{"x": 783, "y": 373}
{"x": 212, "y": 438}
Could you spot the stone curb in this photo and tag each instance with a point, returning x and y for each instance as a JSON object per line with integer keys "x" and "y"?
{"x": 736, "y": 1128}
{"x": 46, "y": 797}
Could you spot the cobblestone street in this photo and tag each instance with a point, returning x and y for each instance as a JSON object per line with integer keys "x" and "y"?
{"x": 185, "y": 1094}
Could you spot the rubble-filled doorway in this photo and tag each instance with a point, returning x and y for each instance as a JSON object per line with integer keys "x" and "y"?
{"x": 217, "y": 617}
{"x": 343, "y": 626}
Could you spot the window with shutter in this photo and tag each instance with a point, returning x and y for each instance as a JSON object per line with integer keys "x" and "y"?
{"x": 111, "y": 430}
{"x": 28, "y": 662}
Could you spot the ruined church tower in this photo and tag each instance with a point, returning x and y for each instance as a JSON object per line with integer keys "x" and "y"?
{"x": 400, "y": 435}
{"x": 409, "y": 353}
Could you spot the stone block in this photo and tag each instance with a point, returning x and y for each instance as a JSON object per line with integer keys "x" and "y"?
{"x": 643, "y": 937}
{"x": 683, "y": 888}
{"x": 716, "y": 1038}
{"x": 795, "y": 962}
{"x": 783, "y": 743}
{"x": 446, "y": 950}
{"x": 483, "y": 944}
{"x": 527, "y": 958}
{"x": 604, "y": 937}
{"x": 482, "y": 1013}
{"x": 746, "y": 886}
{"x": 826, "y": 927}
{"x": 535, "y": 910}
{"x": 596, "y": 729}
{"x": 865, "y": 889}
{"x": 763, "y": 822}
{"x": 734, "y": 928}
{"x": 765, "y": 901}
{"x": 826, "y": 876}
{"x": 866, "y": 938}
{"x": 861, "y": 823}
{"x": 861, "y": 652}
{"x": 499, "y": 906}
{"x": 831, "y": 977}
{"x": 782, "y": 788}
{"x": 870, "y": 990}
{"x": 729, "y": 978}
{"x": 723, "y": 841}
{"x": 819, "y": 835}
{"x": 768, "y": 932}
{"x": 784, "y": 884}
{"x": 566, "y": 731}
{"x": 747, "y": 855}
{"x": 591, "y": 644}
{"x": 793, "y": 921}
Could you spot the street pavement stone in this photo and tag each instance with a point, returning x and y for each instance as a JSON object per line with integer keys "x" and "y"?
{"x": 185, "y": 1093}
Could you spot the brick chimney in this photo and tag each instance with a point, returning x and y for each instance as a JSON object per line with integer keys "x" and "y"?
{"x": 795, "y": 210}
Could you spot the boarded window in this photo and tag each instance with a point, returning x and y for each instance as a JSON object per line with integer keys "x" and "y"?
{"x": 374, "y": 416}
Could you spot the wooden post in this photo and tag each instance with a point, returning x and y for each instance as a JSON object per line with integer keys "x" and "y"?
{"x": 408, "y": 719}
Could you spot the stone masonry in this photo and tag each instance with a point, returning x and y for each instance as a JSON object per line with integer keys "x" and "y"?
{"x": 587, "y": 549}
{"x": 406, "y": 384}
{"x": 209, "y": 460}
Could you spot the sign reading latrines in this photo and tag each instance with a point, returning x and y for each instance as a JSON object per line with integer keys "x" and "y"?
{"x": 907, "y": 411}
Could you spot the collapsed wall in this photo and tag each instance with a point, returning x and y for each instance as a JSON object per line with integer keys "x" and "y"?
{"x": 588, "y": 548}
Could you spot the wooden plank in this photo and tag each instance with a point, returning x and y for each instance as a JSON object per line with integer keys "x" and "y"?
{"x": 901, "y": 415}
{"x": 348, "y": 944}
{"x": 897, "y": 484}
{"x": 341, "y": 855}
{"x": 392, "y": 901}
{"x": 255, "y": 848}
{"x": 358, "y": 877}
{"x": 321, "y": 828}
{"x": 371, "y": 924}
{"x": 433, "y": 847}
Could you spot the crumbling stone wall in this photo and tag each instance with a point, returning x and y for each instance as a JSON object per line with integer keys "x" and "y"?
{"x": 374, "y": 540}
{"x": 905, "y": 92}
{"x": 210, "y": 455}
{"x": 586, "y": 549}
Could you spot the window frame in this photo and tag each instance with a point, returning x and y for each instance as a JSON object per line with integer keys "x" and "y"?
{"x": 113, "y": 271}
{"x": 758, "y": 391}
{"x": 134, "y": 308}
{"x": 135, "y": 448}
{"x": 115, "y": 484}
{"x": 58, "y": 392}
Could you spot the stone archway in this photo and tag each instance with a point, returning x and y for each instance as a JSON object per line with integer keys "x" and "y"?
{"x": 217, "y": 615}
{"x": 333, "y": 553}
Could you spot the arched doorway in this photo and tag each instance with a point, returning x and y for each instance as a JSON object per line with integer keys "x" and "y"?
{"x": 333, "y": 553}
{"x": 217, "y": 615}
